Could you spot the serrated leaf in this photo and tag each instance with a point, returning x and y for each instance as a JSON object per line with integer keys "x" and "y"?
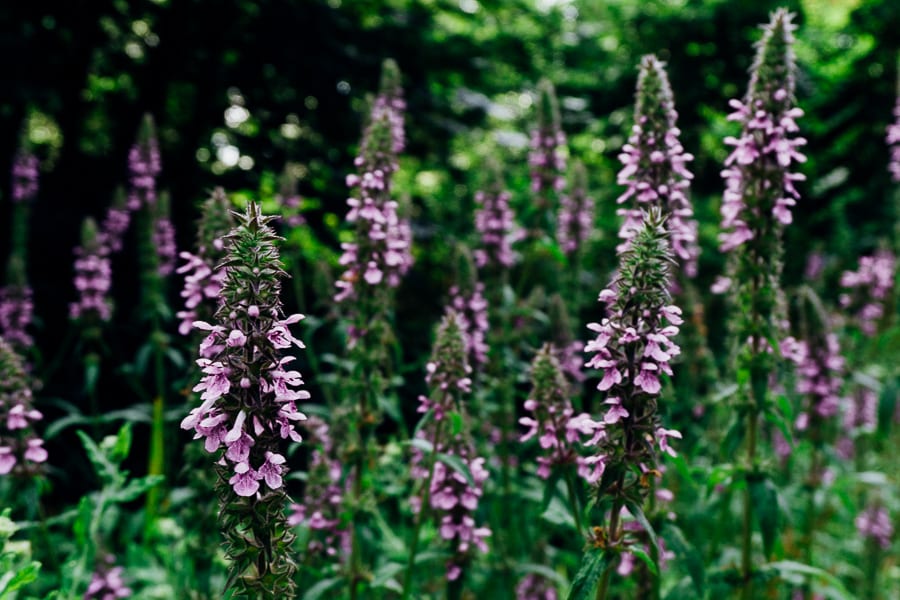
{"x": 685, "y": 551}
{"x": 104, "y": 469}
{"x": 765, "y": 505}
{"x": 20, "y": 578}
{"x": 593, "y": 564}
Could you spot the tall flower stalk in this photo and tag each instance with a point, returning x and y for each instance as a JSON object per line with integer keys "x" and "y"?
{"x": 16, "y": 306}
{"x": 375, "y": 262}
{"x": 449, "y": 494}
{"x": 654, "y": 168}
{"x": 202, "y": 281}
{"x": 551, "y": 418}
{"x": 21, "y": 449}
{"x": 547, "y": 161}
{"x": 756, "y": 206}
{"x": 633, "y": 347}
{"x": 248, "y": 409}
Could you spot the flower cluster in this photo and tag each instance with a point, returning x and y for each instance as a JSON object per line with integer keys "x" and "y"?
{"x": 653, "y": 166}
{"x": 20, "y": 449}
{"x": 380, "y": 254}
{"x": 452, "y": 496}
{"x": 760, "y": 188}
{"x": 872, "y": 281}
{"x": 893, "y": 142}
{"x": 16, "y": 306}
{"x": 567, "y": 350}
{"x": 820, "y": 376}
{"x": 575, "y": 219}
{"x": 248, "y": 406}
{"x": 495, "y": 223}
{"x": 289, "y": 200}
{"x": 535, "y": 587}
{"x": 144, "y": 166}
{"x": 163, "y": 237}
{"x": 472, "y": 309}
{"x": 114, "y": 226}
{"x": 248, "y": 394}
{"x": 324, "y": 494}
{"x": 93, "y": 277}
{"x": 547, "y": 158}
{"x": 633, "y": 347}
{"x": 552, "y": 417}
{"x": 202, "y": 281}
{"x": 107, "y": 583}
{"x": 860, "y": 416}
{"x": 24, "y": 176}
{"x": 874, "y": 523}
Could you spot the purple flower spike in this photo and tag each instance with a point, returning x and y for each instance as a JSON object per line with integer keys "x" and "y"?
{"x": 21, "y": 451}
{"x": 248, "y": 405}
{"x": 495, "y": 223}
{"x": 25, "y": 173}
{"x": 452, "y": 496}
{"x": 575, "y": 220}
{"x": 654, "y": 168}
{"x": 144, "y": 166}
{"x": 380, "y": 254}
{"x": 760, "y": 184}
{"x": 633, "y": 347}
{"x": 93, "y": 277}
{"x": 547, "y": 159}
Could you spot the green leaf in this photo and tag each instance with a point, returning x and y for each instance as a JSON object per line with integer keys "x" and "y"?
{"x": 832, "y": 586}
{"x": 104, "y": 469}
{"x": 765, "y": 505}
{"x": 542, "y": 570}
{"x": 457, "y": 464}
{"x": 593, "y": 564}
{"x": 319, "y": 590}
{"x": 122, "y": 446}
{"x": 638, "y": 513}
{"x": 641, "y": 554}
{"x": 558, "y": 513}
{"x": 136, "y": 487}
{"x": 384, "y": 575}
{"x": 685, "y": 551}
{"x": 20, "y": 578}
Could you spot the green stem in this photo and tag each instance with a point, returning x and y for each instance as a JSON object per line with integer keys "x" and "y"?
{"x": 156, "y": 462}
{"x": 613, "y": 538}
{"x": 573, "y": 500}
{"x": 747, "y": 547}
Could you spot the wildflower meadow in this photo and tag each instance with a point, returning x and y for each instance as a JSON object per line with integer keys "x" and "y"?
{"x": 427, "y": 299}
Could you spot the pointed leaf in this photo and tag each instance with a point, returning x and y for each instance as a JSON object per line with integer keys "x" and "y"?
{"x": 685, "y": 551}
{"x": 593, "y": 564}
{"x": 638, "y": 513}
{"x": 641, "y": 554}
{"x": 765, "y": 505}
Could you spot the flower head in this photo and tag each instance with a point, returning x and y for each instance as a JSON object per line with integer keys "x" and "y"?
{"x": 21, "y": 450}
{"x": 654, "y": 168}
{"x": 633, "y": 348}
{"x": 248, "y": 399}
{"x": 93, "y": 277}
